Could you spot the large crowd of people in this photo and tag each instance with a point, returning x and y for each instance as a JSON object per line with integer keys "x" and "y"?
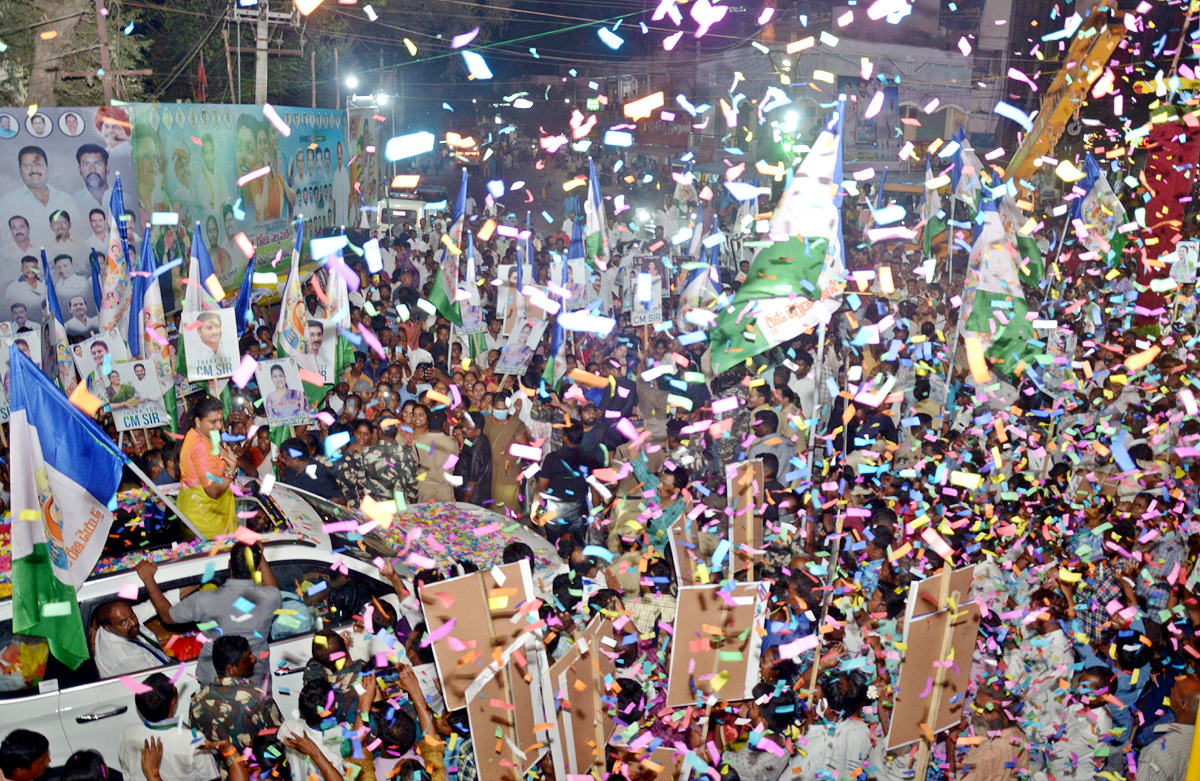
{"x": 884, "y": 461}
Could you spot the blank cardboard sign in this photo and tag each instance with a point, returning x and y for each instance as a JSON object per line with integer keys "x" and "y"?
{"x": 716, "y": 644}
{"x": 578, "y": 680}
{"x": 923, "y": 597}
{"x": 482, "y": 606}
{"x": 924, "y": 638}
{"x": 744, "y": 487}
{"x": 502, "y": 718}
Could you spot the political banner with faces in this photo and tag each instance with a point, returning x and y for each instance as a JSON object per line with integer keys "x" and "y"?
{"x": 282, "y": 392}
{"x": 90, "y": 356}
{"x": 188, "y": 159}
{"x": 520, "y": 348}
{"x": 322, "y": 342}
{"x": 28, "y": 342}
{"x": 210, "y": 341}
{"x": 57, "y": 168}
{"x": 134, "y": 395}
{"x": 647, "y": 277}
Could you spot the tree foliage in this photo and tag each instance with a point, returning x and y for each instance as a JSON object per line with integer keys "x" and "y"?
{"x": 47, "y": 38}
{"x": 172, "y": 38}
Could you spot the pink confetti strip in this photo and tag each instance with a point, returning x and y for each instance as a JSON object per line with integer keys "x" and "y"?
{"x": 438, "y": 633}
{"x": 245, "y": 371}
{"x": 250, "y": 177}
{"x": 273, "y": 117}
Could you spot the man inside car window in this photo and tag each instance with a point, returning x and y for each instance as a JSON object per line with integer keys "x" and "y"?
{"x": 123, "y": 645}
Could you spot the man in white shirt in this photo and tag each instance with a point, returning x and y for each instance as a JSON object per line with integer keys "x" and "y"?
{"x": 314, "y": 699}
{"x": 68, "y": 284}
{"x": 37, "y": 200}
{"x": 493, "y": 338}
{"x": 182, "y": 760}
{"x": 341, "y": 190}
{"x": 123, "y": 645}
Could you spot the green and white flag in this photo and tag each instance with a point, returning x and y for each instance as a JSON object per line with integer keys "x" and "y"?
{"x": 1031, "y": 266}
{"x": 1100, "y": 214}
{"x": 931, "y": 213}
{"x": 597, "y": 251}
{"x": 993, "y": 300}
{"x": 796, "y": 282}
{"x": 444, "y": 294}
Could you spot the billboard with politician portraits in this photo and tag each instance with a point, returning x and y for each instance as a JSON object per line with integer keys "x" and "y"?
{"x": 57, "y": 169}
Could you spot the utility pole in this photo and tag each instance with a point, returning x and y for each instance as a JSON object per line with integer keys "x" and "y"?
{"x": 262, "y": 33}
{"x": 106, "y": 73}
{"x": 105, "y": 63}
{"x": 264, "y": 20}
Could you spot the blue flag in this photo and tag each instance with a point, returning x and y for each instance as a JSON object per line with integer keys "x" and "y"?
{"x": 97, "y": 293}
{"x": 241, "y": 306}
{"x": 137, "y": 299}
{"x": 65, "y": 473}
{"x": 58, "y": 332}
{"x": 206, "y": 275}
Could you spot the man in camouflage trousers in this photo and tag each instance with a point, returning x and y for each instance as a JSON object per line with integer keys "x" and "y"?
{"x": 390, "y": 465}
{"x": 233, "y": 707}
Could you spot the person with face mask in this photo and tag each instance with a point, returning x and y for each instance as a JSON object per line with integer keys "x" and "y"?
{"x": 502, "y": 429}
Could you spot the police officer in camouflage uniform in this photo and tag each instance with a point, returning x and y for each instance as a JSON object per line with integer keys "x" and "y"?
{"x": 234, "y": 707}
{"x": 390, "y": 465}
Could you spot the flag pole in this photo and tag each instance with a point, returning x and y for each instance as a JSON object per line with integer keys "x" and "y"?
{"x": 812, "y": 426}
{"x": 154, "y": 489}
{"x": 950, "y": 245}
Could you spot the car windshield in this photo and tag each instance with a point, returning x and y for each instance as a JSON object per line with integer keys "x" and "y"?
{"x": 426, "y": 194}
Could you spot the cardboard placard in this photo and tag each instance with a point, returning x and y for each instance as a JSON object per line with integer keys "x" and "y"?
{"x": 579, "y": 679}
{"x": 490, "y": 666}
{"x": 703, "y": 658}
{"x": 664, "y": 762}
{"x": 924, "y": 638}
{"x": 685, "y": 551}
{"x": 923, "y": 597}
{"x": 502, "y": 717}
{"x": 479, "y": 628}
{"x": 744, "y": 486}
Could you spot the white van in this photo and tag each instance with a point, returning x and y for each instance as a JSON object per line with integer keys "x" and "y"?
{"x": 77, "y": 709}
{"x": 408, "y": 206}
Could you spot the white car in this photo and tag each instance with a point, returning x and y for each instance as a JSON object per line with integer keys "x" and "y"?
{"x": 75, "y": 709}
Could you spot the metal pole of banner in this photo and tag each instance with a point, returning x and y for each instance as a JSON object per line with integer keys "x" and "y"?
{"x": 812, "y": 425}
{"x": 154, "y": 489}
{"x": 950, "y": 245}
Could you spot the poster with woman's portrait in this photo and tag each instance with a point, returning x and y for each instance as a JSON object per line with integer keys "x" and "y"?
{"x": 91, "y": 356}
{"x": 28, "y": 342}
{"x": 134, "y": 395}
{"x": 282, "y": 392}
{"x": 647, "y": 277}
{"x": 210, "y": 339}
{"x": 512, "y": 301}
{"x": 518, "y": 351}
{"x": 576, "y": 284}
